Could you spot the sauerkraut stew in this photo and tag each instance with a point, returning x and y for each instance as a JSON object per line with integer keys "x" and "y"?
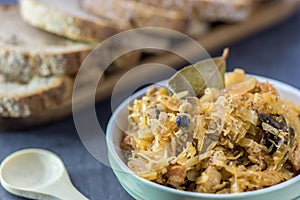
{"x": 240, "y": 138}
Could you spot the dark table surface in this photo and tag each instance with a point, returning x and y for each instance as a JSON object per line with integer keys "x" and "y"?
{"x": 274, "y": 53}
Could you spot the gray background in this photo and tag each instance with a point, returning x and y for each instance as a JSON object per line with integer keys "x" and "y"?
{"x": 274, "y": 53}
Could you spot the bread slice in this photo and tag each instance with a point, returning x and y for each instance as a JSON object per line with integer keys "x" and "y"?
{"x": 210, "y": 10}
{"x": 26, "y": 51}
{"x": 66, "y": 18}
{"x": 223, "y": 10}
{"x": 137, "y": 14}
{"x": 40, "y": 94}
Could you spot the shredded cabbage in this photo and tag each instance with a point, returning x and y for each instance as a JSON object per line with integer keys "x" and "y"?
{"x": 238, "y": 139}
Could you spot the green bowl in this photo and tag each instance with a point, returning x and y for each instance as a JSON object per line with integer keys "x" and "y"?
{"x": 140, "y": 188}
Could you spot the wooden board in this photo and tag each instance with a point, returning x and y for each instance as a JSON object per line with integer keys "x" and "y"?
{"x": 265, "y": 15}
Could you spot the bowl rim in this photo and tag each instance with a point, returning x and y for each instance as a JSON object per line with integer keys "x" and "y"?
{"x": 111, "y": 150}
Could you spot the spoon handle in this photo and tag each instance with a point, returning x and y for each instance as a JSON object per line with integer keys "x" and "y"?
{"x": 68, "y": 193}
{"x": 63, "y": 189}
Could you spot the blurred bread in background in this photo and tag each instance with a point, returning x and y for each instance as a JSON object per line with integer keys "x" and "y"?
{"x": 26, "y": 51}
{"x": 43, "y": 42}
{"x": 38, "y": 95}
{"x": 137, "y": 14}
{"x": 208, "y": 10}
{"x": 67, "y": 19}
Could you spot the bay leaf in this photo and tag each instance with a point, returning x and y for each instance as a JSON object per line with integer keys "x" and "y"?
{"x": 196, "y": 78}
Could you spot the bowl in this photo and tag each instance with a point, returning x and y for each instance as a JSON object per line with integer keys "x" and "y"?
{"x": 140, "y": 188}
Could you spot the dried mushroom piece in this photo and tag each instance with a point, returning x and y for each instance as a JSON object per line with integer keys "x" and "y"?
{"x": 278, "y": 136}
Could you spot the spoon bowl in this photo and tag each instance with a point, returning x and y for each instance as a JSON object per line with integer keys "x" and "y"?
{"x": 38, "y": 168}
{"x": 37, "y": 174}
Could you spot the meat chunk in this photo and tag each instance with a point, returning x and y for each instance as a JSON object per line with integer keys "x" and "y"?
{"x": 176, "y": 175}
{"x": 126, "y": 143}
